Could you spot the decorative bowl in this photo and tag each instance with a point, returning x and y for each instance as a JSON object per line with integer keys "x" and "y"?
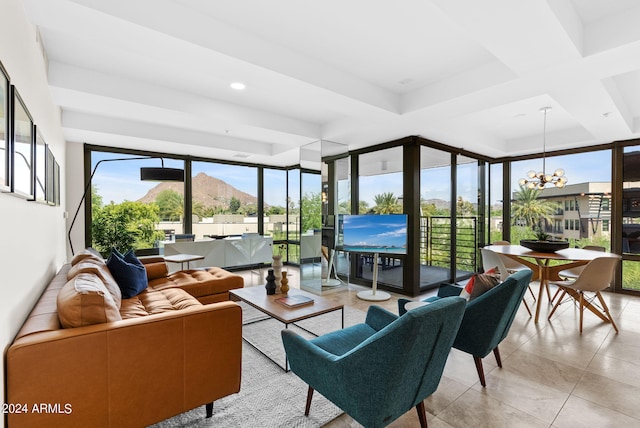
{"x": 544, "y": 246}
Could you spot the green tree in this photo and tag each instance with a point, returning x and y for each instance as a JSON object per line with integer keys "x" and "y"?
{"x": 125, "y": 226}
{"x": 311, "y": 211}
{"x": 234, "y": 204}
{"x": 96, "y": 199}
{"x": 529, "y": 209}
{"x": 170, "y": 204}
{"x": 464, "y": 208}
{"x": 386, "y": 203}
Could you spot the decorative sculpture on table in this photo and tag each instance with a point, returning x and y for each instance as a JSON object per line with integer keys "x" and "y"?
{"x": 284, "y": 287}
{"x": 271, "y": 282}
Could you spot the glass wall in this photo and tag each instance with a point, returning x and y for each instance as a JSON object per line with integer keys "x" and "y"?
{"x": 467, "y": 226}
{"x": 126, "y": 212}
{"x": 224, "y": 200}
{"x": 380, "y": 189}
{"x": 293, "y": 215}
{"x": 495, "y": 202}
{"x": 275, "y": 208}
{"x": 579, "y": 212}
{"x": 631, "y": 218}
{"x": 435, "y": 216}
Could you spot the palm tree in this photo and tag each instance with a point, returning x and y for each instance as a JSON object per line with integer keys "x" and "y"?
{"x": 386, "y": 203}
{"x": 529, "y": 208}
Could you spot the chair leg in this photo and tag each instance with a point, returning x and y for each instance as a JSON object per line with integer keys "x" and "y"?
{"x": 480, "y": 370}
{"x": 526, "y": 305}
{"x": 606, "y": 311}
{"x": 209, "y": 409}
{"x": 557, "y": 303}
{"x": 422, "y": 414}
{"x": 309, "y": 398}
{"x": 496, "y": 353}
{"x": 581, "y": 310}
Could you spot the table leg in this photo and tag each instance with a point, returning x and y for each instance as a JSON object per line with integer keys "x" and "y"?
{"x": 542, "y": 269}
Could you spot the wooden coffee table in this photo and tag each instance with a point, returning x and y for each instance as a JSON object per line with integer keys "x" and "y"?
{"x": 257, "y": 297}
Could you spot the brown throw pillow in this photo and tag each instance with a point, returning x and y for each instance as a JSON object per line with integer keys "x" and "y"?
{"x": 483, "y": 283}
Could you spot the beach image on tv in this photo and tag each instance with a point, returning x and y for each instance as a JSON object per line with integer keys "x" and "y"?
{"x": 375, "y": 233}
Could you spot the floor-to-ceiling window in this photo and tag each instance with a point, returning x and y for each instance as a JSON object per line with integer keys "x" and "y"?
{"x": 380, "y": 190}
{"x": 127, "y": 212}
{"x": 495, "y": 206}
{"x": 580, "y": 211}
{"x": 468, "y": 205}
{"x": 435, "y": 216}
{"x": 275, "y": 207}
{"x": 224, "y": 199}
{"x": 631, "y": 218}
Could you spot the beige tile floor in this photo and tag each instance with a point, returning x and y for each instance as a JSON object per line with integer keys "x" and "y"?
{"x": 551, "y": 377}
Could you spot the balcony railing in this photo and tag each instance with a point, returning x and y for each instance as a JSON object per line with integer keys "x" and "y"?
{"x": 435, "y": 242}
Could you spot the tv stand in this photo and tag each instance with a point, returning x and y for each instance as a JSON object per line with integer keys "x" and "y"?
{"x": 374, "y": 295}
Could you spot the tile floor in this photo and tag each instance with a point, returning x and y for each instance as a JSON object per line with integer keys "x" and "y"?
{"x": 551, "y": 377}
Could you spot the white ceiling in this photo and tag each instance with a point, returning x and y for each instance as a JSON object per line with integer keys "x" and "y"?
{"x": 155, "y": 74}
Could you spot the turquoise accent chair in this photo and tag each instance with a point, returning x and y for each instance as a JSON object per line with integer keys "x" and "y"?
{"x": 487, "y": 318}
{"x": 379, "y": 370}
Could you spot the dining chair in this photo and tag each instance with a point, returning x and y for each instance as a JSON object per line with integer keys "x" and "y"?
{"x": 513, "y": 266}
{"x": 595, "y": 277}
{"x": 574, "y": 272}
{"x": 378, "y": 370}
{"x": 492, "y": 260}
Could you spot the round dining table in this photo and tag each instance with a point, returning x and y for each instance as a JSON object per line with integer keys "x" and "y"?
{"x": 539, "y": 262}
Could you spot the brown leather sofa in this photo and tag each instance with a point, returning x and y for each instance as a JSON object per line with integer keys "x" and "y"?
{"x": 119, "y": 362}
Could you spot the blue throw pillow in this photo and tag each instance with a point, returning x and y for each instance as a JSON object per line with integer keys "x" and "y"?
{"x": 131, "y": 275}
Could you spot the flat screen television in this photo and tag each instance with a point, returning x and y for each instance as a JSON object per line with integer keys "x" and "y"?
{"x": 374, "y": 233}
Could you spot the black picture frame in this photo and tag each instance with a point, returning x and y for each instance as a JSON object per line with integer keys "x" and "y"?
{"x": 21, "y": 148}
{"x": 50, "y": 168}
{"x": 5, "y": 108}
{"x": 40, "y": 168}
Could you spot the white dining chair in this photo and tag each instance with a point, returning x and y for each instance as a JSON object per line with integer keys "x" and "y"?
{"x": 492, "y": 260}
{"x": 513, "y": 266}
{"x": 595, "y": 277}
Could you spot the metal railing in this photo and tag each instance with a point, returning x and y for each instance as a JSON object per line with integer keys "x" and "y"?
{"x": 435, "y": 242}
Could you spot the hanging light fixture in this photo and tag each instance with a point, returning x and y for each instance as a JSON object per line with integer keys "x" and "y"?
{"x": 540, "y": 179}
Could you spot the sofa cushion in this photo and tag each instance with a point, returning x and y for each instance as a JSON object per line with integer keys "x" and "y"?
{"x": 131, "y": 277}
{"x": 156, "y": 268}
{"x": 99, "y": 268}
{"x": 85, "y": 300}
{"x": 151, "y": 302}
{"x": 87, "y": 253}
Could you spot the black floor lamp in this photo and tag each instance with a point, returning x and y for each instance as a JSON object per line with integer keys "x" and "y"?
{"x": 146, "y": 174}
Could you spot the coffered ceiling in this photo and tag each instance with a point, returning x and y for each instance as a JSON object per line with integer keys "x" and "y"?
{"x": 156, "y": 74}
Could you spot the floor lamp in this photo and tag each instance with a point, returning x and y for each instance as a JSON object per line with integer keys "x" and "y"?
{"x": 146, "y": 174}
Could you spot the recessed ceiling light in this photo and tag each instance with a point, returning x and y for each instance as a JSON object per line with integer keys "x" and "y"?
{"x": 238, "y": 86}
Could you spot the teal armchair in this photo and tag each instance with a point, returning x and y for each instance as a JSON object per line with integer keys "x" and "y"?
{"x": 487, "y": 318}
{"x": 379, "y": 370}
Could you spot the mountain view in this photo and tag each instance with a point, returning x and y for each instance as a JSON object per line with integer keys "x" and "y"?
{"x": 209, "y": 191}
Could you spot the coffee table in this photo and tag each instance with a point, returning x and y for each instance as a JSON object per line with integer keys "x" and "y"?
{"x": 257, "y": 297}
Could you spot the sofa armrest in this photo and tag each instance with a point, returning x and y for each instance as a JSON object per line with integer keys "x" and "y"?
{"x": 130, "y": 372}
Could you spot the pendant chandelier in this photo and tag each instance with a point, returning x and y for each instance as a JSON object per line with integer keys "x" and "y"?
{"x": 540, "y": 179}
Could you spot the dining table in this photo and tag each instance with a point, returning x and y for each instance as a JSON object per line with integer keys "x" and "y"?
{"x": 540, "y": 262}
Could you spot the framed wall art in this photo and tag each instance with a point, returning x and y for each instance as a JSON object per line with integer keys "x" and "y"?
{"x": 22, "y": 148}
{"x": 4, "y": 130}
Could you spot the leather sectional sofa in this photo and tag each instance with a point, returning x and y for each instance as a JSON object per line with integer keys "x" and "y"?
{"x": 87, "y": 357}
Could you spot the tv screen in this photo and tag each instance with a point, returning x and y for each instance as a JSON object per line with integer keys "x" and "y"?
{"x": 371, "y": 233}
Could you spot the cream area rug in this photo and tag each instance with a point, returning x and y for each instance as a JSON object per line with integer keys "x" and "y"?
{"x": 268, "y": 396}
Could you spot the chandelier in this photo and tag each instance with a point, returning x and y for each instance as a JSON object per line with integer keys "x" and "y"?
{"x": 541, "y": 178}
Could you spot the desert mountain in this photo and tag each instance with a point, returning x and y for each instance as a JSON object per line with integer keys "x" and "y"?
{"x": 208, "y": 191}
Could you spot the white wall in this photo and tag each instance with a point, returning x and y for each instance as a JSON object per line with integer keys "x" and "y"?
{"x": 32, "y": 246}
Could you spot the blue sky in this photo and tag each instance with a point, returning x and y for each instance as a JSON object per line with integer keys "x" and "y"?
{"x": 119, "y": 181}
{"x": 375, "y": 230}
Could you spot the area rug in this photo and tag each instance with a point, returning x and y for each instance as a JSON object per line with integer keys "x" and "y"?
{"x": 268, "y": 396}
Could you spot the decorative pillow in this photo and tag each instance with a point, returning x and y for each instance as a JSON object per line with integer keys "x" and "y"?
{"x": 87, "y": 253}
{"x": 480, "y": 283}
{"x": 84, "y": 300}
{"x": 131, "y": 277}
{"x": 100, "y": 269}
